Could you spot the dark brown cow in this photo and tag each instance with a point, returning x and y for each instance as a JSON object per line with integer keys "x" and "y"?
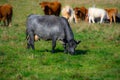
{"x": 6, "y": 14}
{"x": 51, "y": 8}
{"x": 80, "y": 13}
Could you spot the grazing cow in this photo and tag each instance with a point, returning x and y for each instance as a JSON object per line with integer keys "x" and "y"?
{"x": 68, "y": 13}
{"x": 6, "y": 14}
{"x": 50, "y": 27}
{"x": 96, "y": 13}
{"x": 80, "y": 13}
{"x": 51, "y": 8}
{"x": 112, "y": 14}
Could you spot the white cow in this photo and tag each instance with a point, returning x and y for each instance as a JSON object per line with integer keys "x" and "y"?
{"x": 96, "y": 13}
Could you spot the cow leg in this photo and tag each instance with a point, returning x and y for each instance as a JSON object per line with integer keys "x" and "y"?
{"x": 89, "y": 19}
{"x": 4, "y": 21}
{"x": 110, "y": 20}
{"x": 114, "y": 18}
{"x": 28, "y": 42}
{"x": 0, "y": 22}
{"x": 53, "y": 45}
{"x": 31, "y": 41}
{"x": 64, "y": 45}
{"x": 65, "y": 50}
{"x": 101, "y": 20}
{"x": 93, "y": 20}
{"x": 8, "y": 21}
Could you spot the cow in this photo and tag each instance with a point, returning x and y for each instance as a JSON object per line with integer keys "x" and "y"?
{"x": 51, "y": 8}
{"x": 112, "y": 14}
{"x": 80, "y": 13}
{"x": 6, "y": 12}
{"x": 96, "y": 13}
{"x": 68, "y": 13}
{"x": 50, "y": 27}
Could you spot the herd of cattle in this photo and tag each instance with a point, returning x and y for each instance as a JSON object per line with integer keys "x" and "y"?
{"x": 71, "y": 14}
{"x": 81, "y": 13}
{"x": 52, "y": 27}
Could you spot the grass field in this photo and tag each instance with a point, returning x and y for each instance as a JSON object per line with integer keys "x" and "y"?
{"x": 97, "y": 58}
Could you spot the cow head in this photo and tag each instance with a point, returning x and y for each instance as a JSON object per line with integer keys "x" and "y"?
{"x": 71, "y": 46}
{"x": 46, "y": 8}
{"x": 77, "y": 11}
{"x": 43, "y": 4}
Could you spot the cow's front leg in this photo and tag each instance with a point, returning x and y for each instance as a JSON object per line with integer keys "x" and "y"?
{"x": 4, "y": 21}
{"x": 53, "y": 45}
{"x": 65, "y": 50}
{"x": 93, "y": 20}
{"x": 64, "y": 45}
{"x": 101, "y": 20}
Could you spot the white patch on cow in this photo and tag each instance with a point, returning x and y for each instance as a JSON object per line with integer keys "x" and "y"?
{"x": 36, "y": 38}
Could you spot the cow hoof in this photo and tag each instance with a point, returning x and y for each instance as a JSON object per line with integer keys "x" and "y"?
{"x": 53, "y": 51}
{"x": 65, "y": 51}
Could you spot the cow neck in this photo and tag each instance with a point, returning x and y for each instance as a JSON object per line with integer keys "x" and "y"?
{"x": 69, "y": 33}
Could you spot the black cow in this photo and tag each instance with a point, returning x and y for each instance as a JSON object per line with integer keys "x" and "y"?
{"x": 50, "y": 27}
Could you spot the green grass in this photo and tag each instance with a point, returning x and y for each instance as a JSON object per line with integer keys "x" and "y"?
{"x": 97, "y": 58}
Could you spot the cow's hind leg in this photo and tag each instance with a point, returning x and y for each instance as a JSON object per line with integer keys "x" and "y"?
{"x": 30, "y": 41}
{"x": 64, "y": 45}
{"x": 114, "y": 18}
{"x": 53, "y": 44}
{"x": 9, "y": 19}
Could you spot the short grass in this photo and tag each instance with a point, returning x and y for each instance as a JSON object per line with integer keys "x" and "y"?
{"x": 97, "y": 58}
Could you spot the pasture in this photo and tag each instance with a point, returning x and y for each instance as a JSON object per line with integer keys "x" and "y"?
{"x": 97, "y": 56}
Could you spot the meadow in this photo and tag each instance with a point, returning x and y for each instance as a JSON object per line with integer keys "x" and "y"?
{"x": 97, "y": 56}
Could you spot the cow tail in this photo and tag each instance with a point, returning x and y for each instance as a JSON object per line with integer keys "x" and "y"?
{"x": 27, "y": 36}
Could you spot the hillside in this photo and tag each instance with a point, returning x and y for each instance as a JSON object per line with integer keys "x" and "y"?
{"x": 97, "y": 57}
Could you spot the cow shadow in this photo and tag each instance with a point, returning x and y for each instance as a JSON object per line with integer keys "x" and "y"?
{"x": 50, "y": 51}
{"x": 81, "y": 52}
{"x": 78, "y": 52}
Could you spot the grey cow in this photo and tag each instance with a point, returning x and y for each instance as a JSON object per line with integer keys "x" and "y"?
{"x": 50, "y": 27}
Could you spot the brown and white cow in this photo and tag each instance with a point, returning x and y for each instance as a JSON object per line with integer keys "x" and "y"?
{"x": 80, "y": 13}
{"x": 68, "y": 13}
{"x": 112, "y": 14}
{"x": 51, "y": 8}
{"x": 6, "y": 14}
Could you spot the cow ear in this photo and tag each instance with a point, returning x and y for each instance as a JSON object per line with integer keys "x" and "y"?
{"x": 77, "y": 42}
